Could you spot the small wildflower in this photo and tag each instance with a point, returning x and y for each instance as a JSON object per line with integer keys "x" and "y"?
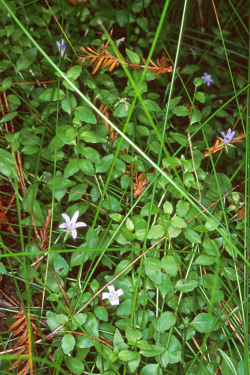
{"x": 113, "y": 295}
{"x": 227, "y": 138}
{"x": 71, "y": 225}
{"x": 207, "y": 78}
{"x": 195, "y": 50}
{"x": 119, "y": 41}
{"x": 61, "y": 47}
{"x": 125, "y": 101}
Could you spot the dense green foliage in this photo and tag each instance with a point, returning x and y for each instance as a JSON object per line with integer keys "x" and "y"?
{"x": 138, "y": 151}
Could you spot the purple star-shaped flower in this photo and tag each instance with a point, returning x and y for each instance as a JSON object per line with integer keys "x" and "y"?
{"x": 71, "y": 225}
{"x": 113, "y": 295}
{"x": 227, "y": 138}
{"x": 61, "y": 47}
{"x": 207, "y": 78}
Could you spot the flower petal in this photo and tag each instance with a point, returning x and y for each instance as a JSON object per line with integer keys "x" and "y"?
{"x": 229, "y": 132}
{"x": 119, "y": 292}
{"x": 111, "y": 288}
{"x": 64, "y": 225}
{"x": 74, "y": 218}
{"x": 66, "y": 218}
{"x": 223, "y": 134}
{"x": 232, "y": 135}
{"x": 114, "y": 302}
{"x": 58, "y": 45}
{"x": 74, "y": 233}
{"x": 105, "y": 295}
{"x": 80, "y": 224}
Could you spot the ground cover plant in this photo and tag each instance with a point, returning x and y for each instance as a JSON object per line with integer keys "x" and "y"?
{"x": 124, "y": 187}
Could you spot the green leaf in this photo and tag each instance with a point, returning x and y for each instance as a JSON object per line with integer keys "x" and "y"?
{"x": 200, "y": 96}
{"x": 228, "y": 365}
{"x": 74, "y": 365}
{"x": 182, "y": 208}
{"x": 192, "y": 236}
{"x": 153, "y": 264}
{"x": 14, "y": 99}
{"x": 118, "y": 340}
{"x": 203, "y": 322}
{"x": 186, "y": 285}
{"x": 91, "y": 154}
{"x": 68, "y": 85}
{"x": 198, "y": 82}
{"x": 91, "y": 137}
{"x": 86, "y": 167}
{"x": 85, "y": 114}
{"x": 205, "y": 260}
{"x": 180, "y": 138}
{"x": 143, "y": 130}
{"x": 168, "y": 208}
{"x": 7, "y": 82}
{"x": 71, "y": 168}
{"x": 3, "y": 270}
{"x": 101, "y": 313}
{"x": 52, "y": 94}
{"x": 116, "y": 217}
{"x": 30, "y": 150}
{"x": 133, "y": 335}
{"x": 74, "y": 72}
{"x": 26, "y": 59}
{"x": 29, "y": 197}
{"x": 166, "y": 320}
{"x": 8, "y": 117}
{"x": 105, "y": 164}
{"x": 52, "y": 321}
{"x": 134, "y": 363}
{"x": 195, "y": 116}
{"x": 223, "y": 181}
{"x": 169, "y": 265}
{"x": 52, "y": 283}
{"x": 83, "y": 342}
{"x": 6, "y": 162}
{"x": 62, "y": 318}
{"x": 67, "y": 134}
{"x": 130, "y": 224}
{"x": 61, "y": 266}
{"x": 80, "y": 319}
{"x": 142, "y": 22}
{"x": 91, "y": 325}
{"x": 154, "y": 351}
{"x": 133, "y": 56}
{"x": 153, "y": 369}
{"x": 143, "y": 344}
{"x": 190, "y": 69}
{"x": 157, "y": 231}
{"x": 180, "y": 110}
{"x": 177, "y": 222}
{"x": 125, "y": 308}
{"x": 151, "y": 105}
{"x": 174, "y": 102}
{"x": 77, "y": 191}
{"x": 68, "y": 104}
{"x": 122, "y": 110}
{"x": 126, "y": 355}
{"x": 59, "y": 183}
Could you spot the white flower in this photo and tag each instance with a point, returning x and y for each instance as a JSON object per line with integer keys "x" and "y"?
{"x": 207, "y": 78}
{"x": 71, "y": 225}
{"x": 113, "y": 295}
